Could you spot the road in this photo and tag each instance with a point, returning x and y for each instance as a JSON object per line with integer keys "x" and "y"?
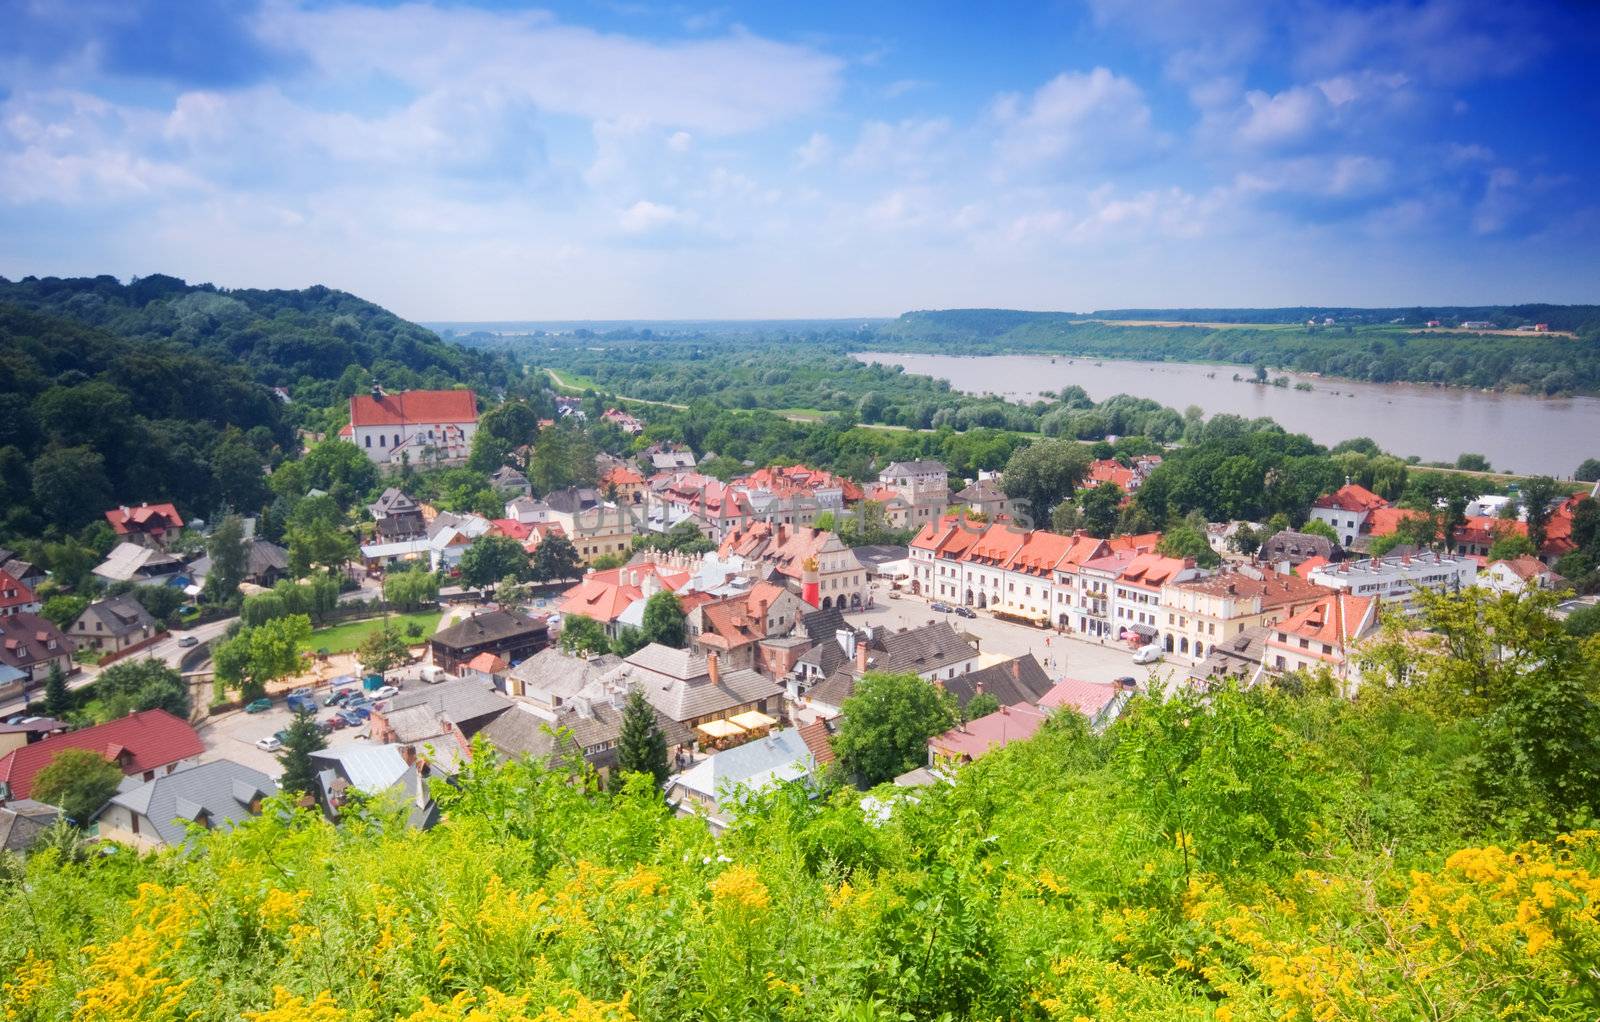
{"x": 1060, "y": 655}
{"x": 167, "y": 650}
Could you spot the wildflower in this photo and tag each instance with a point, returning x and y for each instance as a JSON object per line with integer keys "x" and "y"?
{"x": 740, "y": 886}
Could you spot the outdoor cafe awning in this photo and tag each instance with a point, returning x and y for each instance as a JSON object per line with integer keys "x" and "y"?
{"x": 719, "y": 729}
{"x": 750, "y": 720}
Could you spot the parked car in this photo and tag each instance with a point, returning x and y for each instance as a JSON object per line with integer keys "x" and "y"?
{"x": 281, "y": 735}
{"x": 336, "y": 698}
{"x": 940, "y": 607}
{"x": 261, "y": 705}
{"x": 350, "y": 718}
{"x": 337, "y": 722}
{"x": 966, "y": 612}
{"x": 188, "y": 641}
{"x": 1147, "y": 654}
{"x": 269, "y": 744}
{"x": 324, "y": 728}
{"x": 304, "y": 690}
{"x": 894, "y": 595}
{"x": 301, "y": 703}
{"x": 385, "y": 692}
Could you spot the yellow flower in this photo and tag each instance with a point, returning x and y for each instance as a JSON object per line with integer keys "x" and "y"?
{"x": 281, "y": 907}
{"x": 287, "y": 1007}
{"x": 740, "y": 886}
{"x": 28, "y": 980}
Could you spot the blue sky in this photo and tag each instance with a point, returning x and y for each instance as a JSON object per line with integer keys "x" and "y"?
{"x": 454, "y": 160}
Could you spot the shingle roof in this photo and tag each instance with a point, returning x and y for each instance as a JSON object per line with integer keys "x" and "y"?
{"x": 211, "y": 789}
{"x": 928, "y": 648}
{"x": 416, "y": 723}
{"x": 676, "y": 682}
{"x": 1019, "y": 680}
{"x": 120, "y": 615}
{"x": 149, "y": 738}
{"x": 414, "y": 406}
{"x": 456, "y": 701}
{"x": 556, "y": 675}
{"x": 487, "y": 626}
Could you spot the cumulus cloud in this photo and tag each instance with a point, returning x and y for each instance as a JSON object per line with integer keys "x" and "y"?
{"x": 645, "y": 216}
{"x": 1082, "y": 119}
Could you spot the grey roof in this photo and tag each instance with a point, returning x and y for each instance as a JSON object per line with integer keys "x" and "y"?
{"x": 1020, "y": 680}
{"x": 823, "y": 624}
{"x": 25, "y": 640}
{"x": 368, "y": 768}
{"x": 589, "y": 725}
{"x": 22, "y": 821}
{"x": 129, "y": 560}
{"x": 1239, "y": 657}
{"x": 928, "y": 648}
{"x": 877, "y": 554}
{"x": 914, "y": 467}
{"x": 414, "y": 723}
{"x": 555, "y": 675}
{"x": 393, "y": 502}
{"x": 1295, "y": 547}
{"x": 573, "y": 499}
{"x": 826, "y": 656}
{"x": 459, "y": 702}
{"x": 677, "y": 683}
{"x": 210, "y": 789}
{"x": 120, "y": 615}
{"x": 835, "y": 688}
{"x": 488, "y": 626}
{"x": 776, "y": 757}
{"x": 506, "y": 477}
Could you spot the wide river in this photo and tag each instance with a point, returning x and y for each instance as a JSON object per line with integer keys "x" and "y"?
{"x": 1515, "y": 432}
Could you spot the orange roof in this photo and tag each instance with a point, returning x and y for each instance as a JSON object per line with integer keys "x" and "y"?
{"x": 621, "y": 475}
{"x": 510, "y": 527}
{"x": 1274, "y": 590}
{"x": 486, "y": 663}
{"x": 996, "y": 546}
{"x": 604, "y": 595}
{"x": 414, "y": 406}
{"x": 1336, "y": 620}
{"x": 1351, "y": 497}
{"x": 156, "y": 518}
{"x": 1140, "y": 543}
{"x": 1384, "y": 521}
{"x": 1110, "y": 471}
{"x": 789, "y": 479}
{"x": 1153, "y": 570}
{"x": 1524, "y": 567}
{"x": 1040, "y": 552}
{"x": 730, "y": 624}
{"x": 818, "y": 740}
{"x": 1310, "y": 564}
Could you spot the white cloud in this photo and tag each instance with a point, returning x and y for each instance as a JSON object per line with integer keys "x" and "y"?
{"x": 1087, "y": 119}
{"x": 645, "y": 216}
{"x": 680, "y": 141}
{"x": 1342, "y": 177}
{"x": 1288, "y": 117}
{"x": 909, "y": 146}
{"x": 816, "y": 150}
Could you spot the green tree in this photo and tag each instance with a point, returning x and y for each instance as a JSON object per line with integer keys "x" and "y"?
{"x": 629, "y": 641}
{"x": 1044, "y": 473}
{"x": 980, "y": 705}
{"x": 1511, "y": 546}
{"x": 299, "y": 769}
{"x": 1473, "y": 463}
{"x": 256, "y": 657}
{"x": 492, "y": 557}
{"x": 410, "y": 588}
{"x": 555, "y": 559}
{"x": 887, "y": 723}
{"x": 1539, "y": 495}
{"x": 317, "y": 536}
{"x": 70, "y": 485}
{"x": 583, "y": 635}
{"x": 562, "y": 456}
{"x": 1318, "y": 527}
{"x": 79, "y": 781}
{"x": 139, "y": 684}
{"x": 1101, "y": 506}
{"x": 1245, "y": 539}
{"x": 62, "y": 609}
{"x": 57, "y": 698}
{"x": 230, "y": 559}
{"x": 383, "y": 651}
{"x": 641, "y": 746}
{"x": 1186, "y": 541}
{"x": 236, "y": 469}
{"x": 1588, "y": 471}
{"x": 663, "y": 620}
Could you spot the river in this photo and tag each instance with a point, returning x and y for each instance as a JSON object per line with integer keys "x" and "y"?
{"x": 1516, "y": 432}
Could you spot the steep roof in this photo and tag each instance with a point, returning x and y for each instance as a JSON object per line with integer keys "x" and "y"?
{"x": 1153, "y": 570}
{"x": 414, "y": 406}
{"x": 1294, "y": 547}
{"x": 456, "y": 701}
{"x": 1019, "y": 680}
{"x": 819, "y": 739}
{"x": 1090, "y": 698}
{"x": 128, "y": 560}
{"x": 1336, "y": 621}
{"x": 757, "y": 765}
{"x": 1111, "y": 471}
{"x": 996, "y": 546}
{"x": 118, "y": 615}
{"x": 1040, "y": 552}
{"x": 487, "y": 626}
{"x": 25, "y": 640}
{"x": 678, "y": 683}
{"x": 1351, "y": 497}
{"x": 1525, "y": 567}
{"x": 928, "y": 648}
{"x": 221, "y": 790}
{"x": 13, "y": 593}
{"x": 521, "y": 732}
{"x": 152, "y": 518}
{"x": 976, "y": 738}
{"x": 556, "y": 675}
{"x": 604, "y": 595}
{"x": 140, "y": 741}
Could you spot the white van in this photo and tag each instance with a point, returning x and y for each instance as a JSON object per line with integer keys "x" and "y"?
{"x": 1147, "y": 654}
{"x": 433, "y": 674}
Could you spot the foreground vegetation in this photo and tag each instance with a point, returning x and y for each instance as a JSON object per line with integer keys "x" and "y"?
{"x": 1419, "y": 853}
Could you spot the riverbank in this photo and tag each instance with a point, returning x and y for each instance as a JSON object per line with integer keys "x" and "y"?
{"x": 1518, "y": 434}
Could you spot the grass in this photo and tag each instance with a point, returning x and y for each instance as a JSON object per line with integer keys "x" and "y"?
{"x": 344, "y": 638}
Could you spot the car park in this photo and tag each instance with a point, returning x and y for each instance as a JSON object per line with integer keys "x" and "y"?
{"x": 350, "y": 718}
{"x": 337, "y": 722}
{"x": 261, "y": 705}
{"x": 269, "y": 744}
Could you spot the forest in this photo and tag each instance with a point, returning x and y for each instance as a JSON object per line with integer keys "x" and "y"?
{"x": 1531, "y": 363}
{"x": 1420, "y": 852}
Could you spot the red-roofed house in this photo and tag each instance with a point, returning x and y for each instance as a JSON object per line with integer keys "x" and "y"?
{"x": 1322, "y": 635}
{"x": 16, "y": 598}
{"x": 733, "y": 627}
{"x": 627, "y": 484}
{"x": 983, "y": 566}
{"x": 935, "y": 555}
{"x": 1136, "y": 594}
{"x": 1100, "y": 701}
{"x": 977, "y": 738}
{"x": 1520, "y": 574}
{"x": 148, "y": 525}
{"x": 147, "y": 745}
{"x": 604, "y": 595}
{"x": 623, "y": 421}
{"x": 1346, "y": 510}
{"x": 805, "y": 555}
{"x": 420, "y": 424}
{"x": 1029, "y": 578}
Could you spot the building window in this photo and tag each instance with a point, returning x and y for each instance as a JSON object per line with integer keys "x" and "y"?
{"x": 383, "y": 441}
{"x": 368, "y": 440}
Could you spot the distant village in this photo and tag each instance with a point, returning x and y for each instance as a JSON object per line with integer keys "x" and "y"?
{"x": 781, "y": 621}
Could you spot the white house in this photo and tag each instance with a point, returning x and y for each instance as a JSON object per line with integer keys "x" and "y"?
{"x": 422, "y": 425}
{"x": 1396, "y": 579}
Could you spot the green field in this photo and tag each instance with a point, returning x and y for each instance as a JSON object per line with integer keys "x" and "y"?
{"x": 344, "y": 638}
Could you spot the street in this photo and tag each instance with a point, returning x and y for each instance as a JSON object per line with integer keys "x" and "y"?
{"x": 167, "y": 650}
{"x": 1061, "y": 656}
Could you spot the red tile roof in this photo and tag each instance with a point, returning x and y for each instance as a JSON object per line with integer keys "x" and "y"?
{"x": 20, "y": 595}
{"x": 818, "y": 740}
{"x": 1384, "y": 521}
{"x": 604, "y": 595}
{"x": 142, "y": 741}
{"x": 487, "y": 663}
{"x": 510, "y": 527}
{"x": 1152, "y": 570}
{"x": 999, "y": 729}
{"x": 1351, "y": 497}
{"x": 1321, "y": 621}
{"x": 621, "y": 475}
{"x": 152, "y": 518}
{"x": 792, "y": 479}
{"x": 1138, "y": 543}
{"x": 1524, "y": 567}
{"x": 1087, "y": 697}
{"x": 996, "y": 546}
{"x": 414, "y": 406}
{"x": 1110, "y": 471}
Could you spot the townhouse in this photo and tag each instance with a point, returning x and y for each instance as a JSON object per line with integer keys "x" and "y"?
{"x": 1323, "y": 635}
{"x": 1201, "y": 613}
{"x": 1397, "y": 578}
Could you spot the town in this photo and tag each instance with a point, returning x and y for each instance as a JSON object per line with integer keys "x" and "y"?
{"x": 734, "y": 609}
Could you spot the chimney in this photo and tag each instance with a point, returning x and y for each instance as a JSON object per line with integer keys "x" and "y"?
{"x": 977, "y": 689}
{"x": 423, "y": 795}
{"x": 847, "y": 642}
{"x": 712, "y": 669}
{"x": 408, "y": 753}
{"x": 1016, "y": 669}
{"x": 861, "y": 658}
